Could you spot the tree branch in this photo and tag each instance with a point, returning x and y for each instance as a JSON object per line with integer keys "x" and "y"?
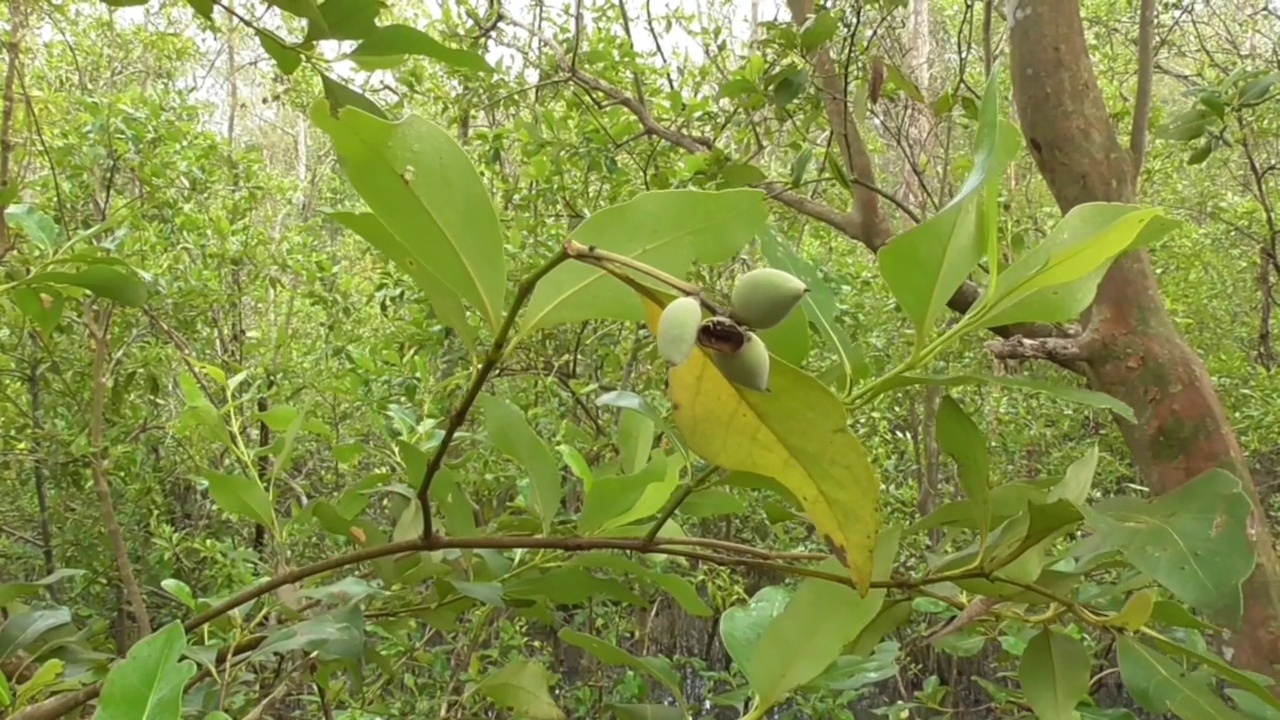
{"x": 1142, "y": 104}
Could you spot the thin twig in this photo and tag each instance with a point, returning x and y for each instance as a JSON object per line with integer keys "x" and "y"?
{"x": 496, "y": 351}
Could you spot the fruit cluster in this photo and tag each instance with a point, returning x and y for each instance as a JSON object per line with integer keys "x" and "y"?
{"x": 761, "y": 299}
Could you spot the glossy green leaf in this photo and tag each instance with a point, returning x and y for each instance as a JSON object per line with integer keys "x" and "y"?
{"x": 339, "y": 95}
{"x": 510, "y": 432}
{"x": 241, "y": 496}
{"x": 658, "y": 668}
{"x": 961, "y": 439}
{"x": 680, "y": 589}
{"x": 335, "y": 635}
{"x": 1080, "y": 396}
{"x": 390, "y": 40}
{"x": 1054, "y": 673}
{"x": 203, "y": 8}
{"x": 37, "y": 226}
{"x": 926, "y": 264}
{"x": 22, "y": 629}
{"x": 635, "y": 440}
{"x": 820, "y": 306}
{"x": 1193, "y": 540}
{"x": 43, "y": 307}
{"x": 712, "y": 502}
{"x": 818, "y": 30}
{"x": 789, "y": 339}
{"x": 814, "y": 627}
{"x": 102, "y": 280}
{"x": 615, "y": 501}
{"x": 1056, "y": 280}
{"x": 1185, "y": 126}
{"x": 449, "y": 497}
{"x": 347, "y": 19}
{"x": 1078, "y": 479}
{"x": 571, "y": 586}
{"x": 666, "y": 229}
{"x": 1161, "y": 685}
{"x": 422, "y": 186}
{"x": 523, "y": 687}
{"x": 287, "y": 59}
{"x": 148, "y": 683}
{"x": 742, "y": 626}
{"x": 1256, "y": 685}
{"x": 18, "y": 590}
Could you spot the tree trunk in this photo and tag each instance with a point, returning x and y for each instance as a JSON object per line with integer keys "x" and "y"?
{"x": 1182, "y": 429}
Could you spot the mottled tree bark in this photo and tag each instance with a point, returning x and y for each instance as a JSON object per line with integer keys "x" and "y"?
{"x": 1182, "y": 429}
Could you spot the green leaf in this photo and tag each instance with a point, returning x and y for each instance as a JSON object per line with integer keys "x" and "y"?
{"x": 1257, "y": 90}
{"x": 1194, "y": 540}
{"x": 817, "y": 31}
{"x": 391, "y": 40}
{"x": 43, "y": 308}
{"x": 450, "y": 498}
{"x": 961, "y": 439}
{"x": 634, "y": 711}
{"x": 421, "y": 185}
{"x": 339, "y": 96}
{"x": 658, "y": 668}
{"x": 925, "y": 265}
{"x": 740, "y": 175}
{"x": 712, "y": 502}
{"x": 241, "y": 496}
{"x": 742, "y": 626}
{"x": 681, "y": 590}
{"x": 20, "y": 630}
{"x": 894, "y": 77}
{"x": 510, "y": 433}
{"x": 148, "y": 683}
{"x": 571, "y": 586}
{"x": 666, "y": 229}
{"x": 789, "y": 340}
{"x": 335, "y": 635}
{"x": 1161, "y": 685}
{"x": 347, "y": 19}
{"x": 446, "y": 303}
{"x": 1256, "y": 685}
{"x": 635, "y": 440}
{"x": 522, "y": 686}
{"x": 820, "y": 305}
{"x": 305, "y": 9}
{"x": 810, "y": 633}
{"x": 287, "y": 59}
{"x": 616, "y": 501}
{"x": 1201, "y": 153}
{"x": 1058, "y": 278}
{"x": 1079, "y": 478}
{"x": 1054, "y": 673}
{"x": 107, "y": 282}
{"x": 1080, "y": 396}
{"x": 797, "y": 434}
{"x": 1186, "y": 126}
{"x": 17, "y": 590}
{"x": 203, "y": 8}
{"x": 37, "y": 226}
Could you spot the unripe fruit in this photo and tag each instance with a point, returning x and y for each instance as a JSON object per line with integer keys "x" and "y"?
{"x": 721, "y": 335}
{"x": 748, "y": 367}
{"x": 765, "y": 297}
{"x": 678, "y": 329}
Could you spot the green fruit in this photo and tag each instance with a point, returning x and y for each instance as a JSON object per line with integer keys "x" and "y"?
{"x": 678, "y": 329}
{"x": 765, "y": 297}
{"x": 749, "y": 367}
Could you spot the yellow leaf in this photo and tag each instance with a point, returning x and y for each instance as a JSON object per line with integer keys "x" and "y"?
{"x": 1136, "y": 611}
{"x": 796, "y": 434}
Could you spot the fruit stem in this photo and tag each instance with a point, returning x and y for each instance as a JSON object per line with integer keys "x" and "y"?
{"x": 578, "y": 251}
